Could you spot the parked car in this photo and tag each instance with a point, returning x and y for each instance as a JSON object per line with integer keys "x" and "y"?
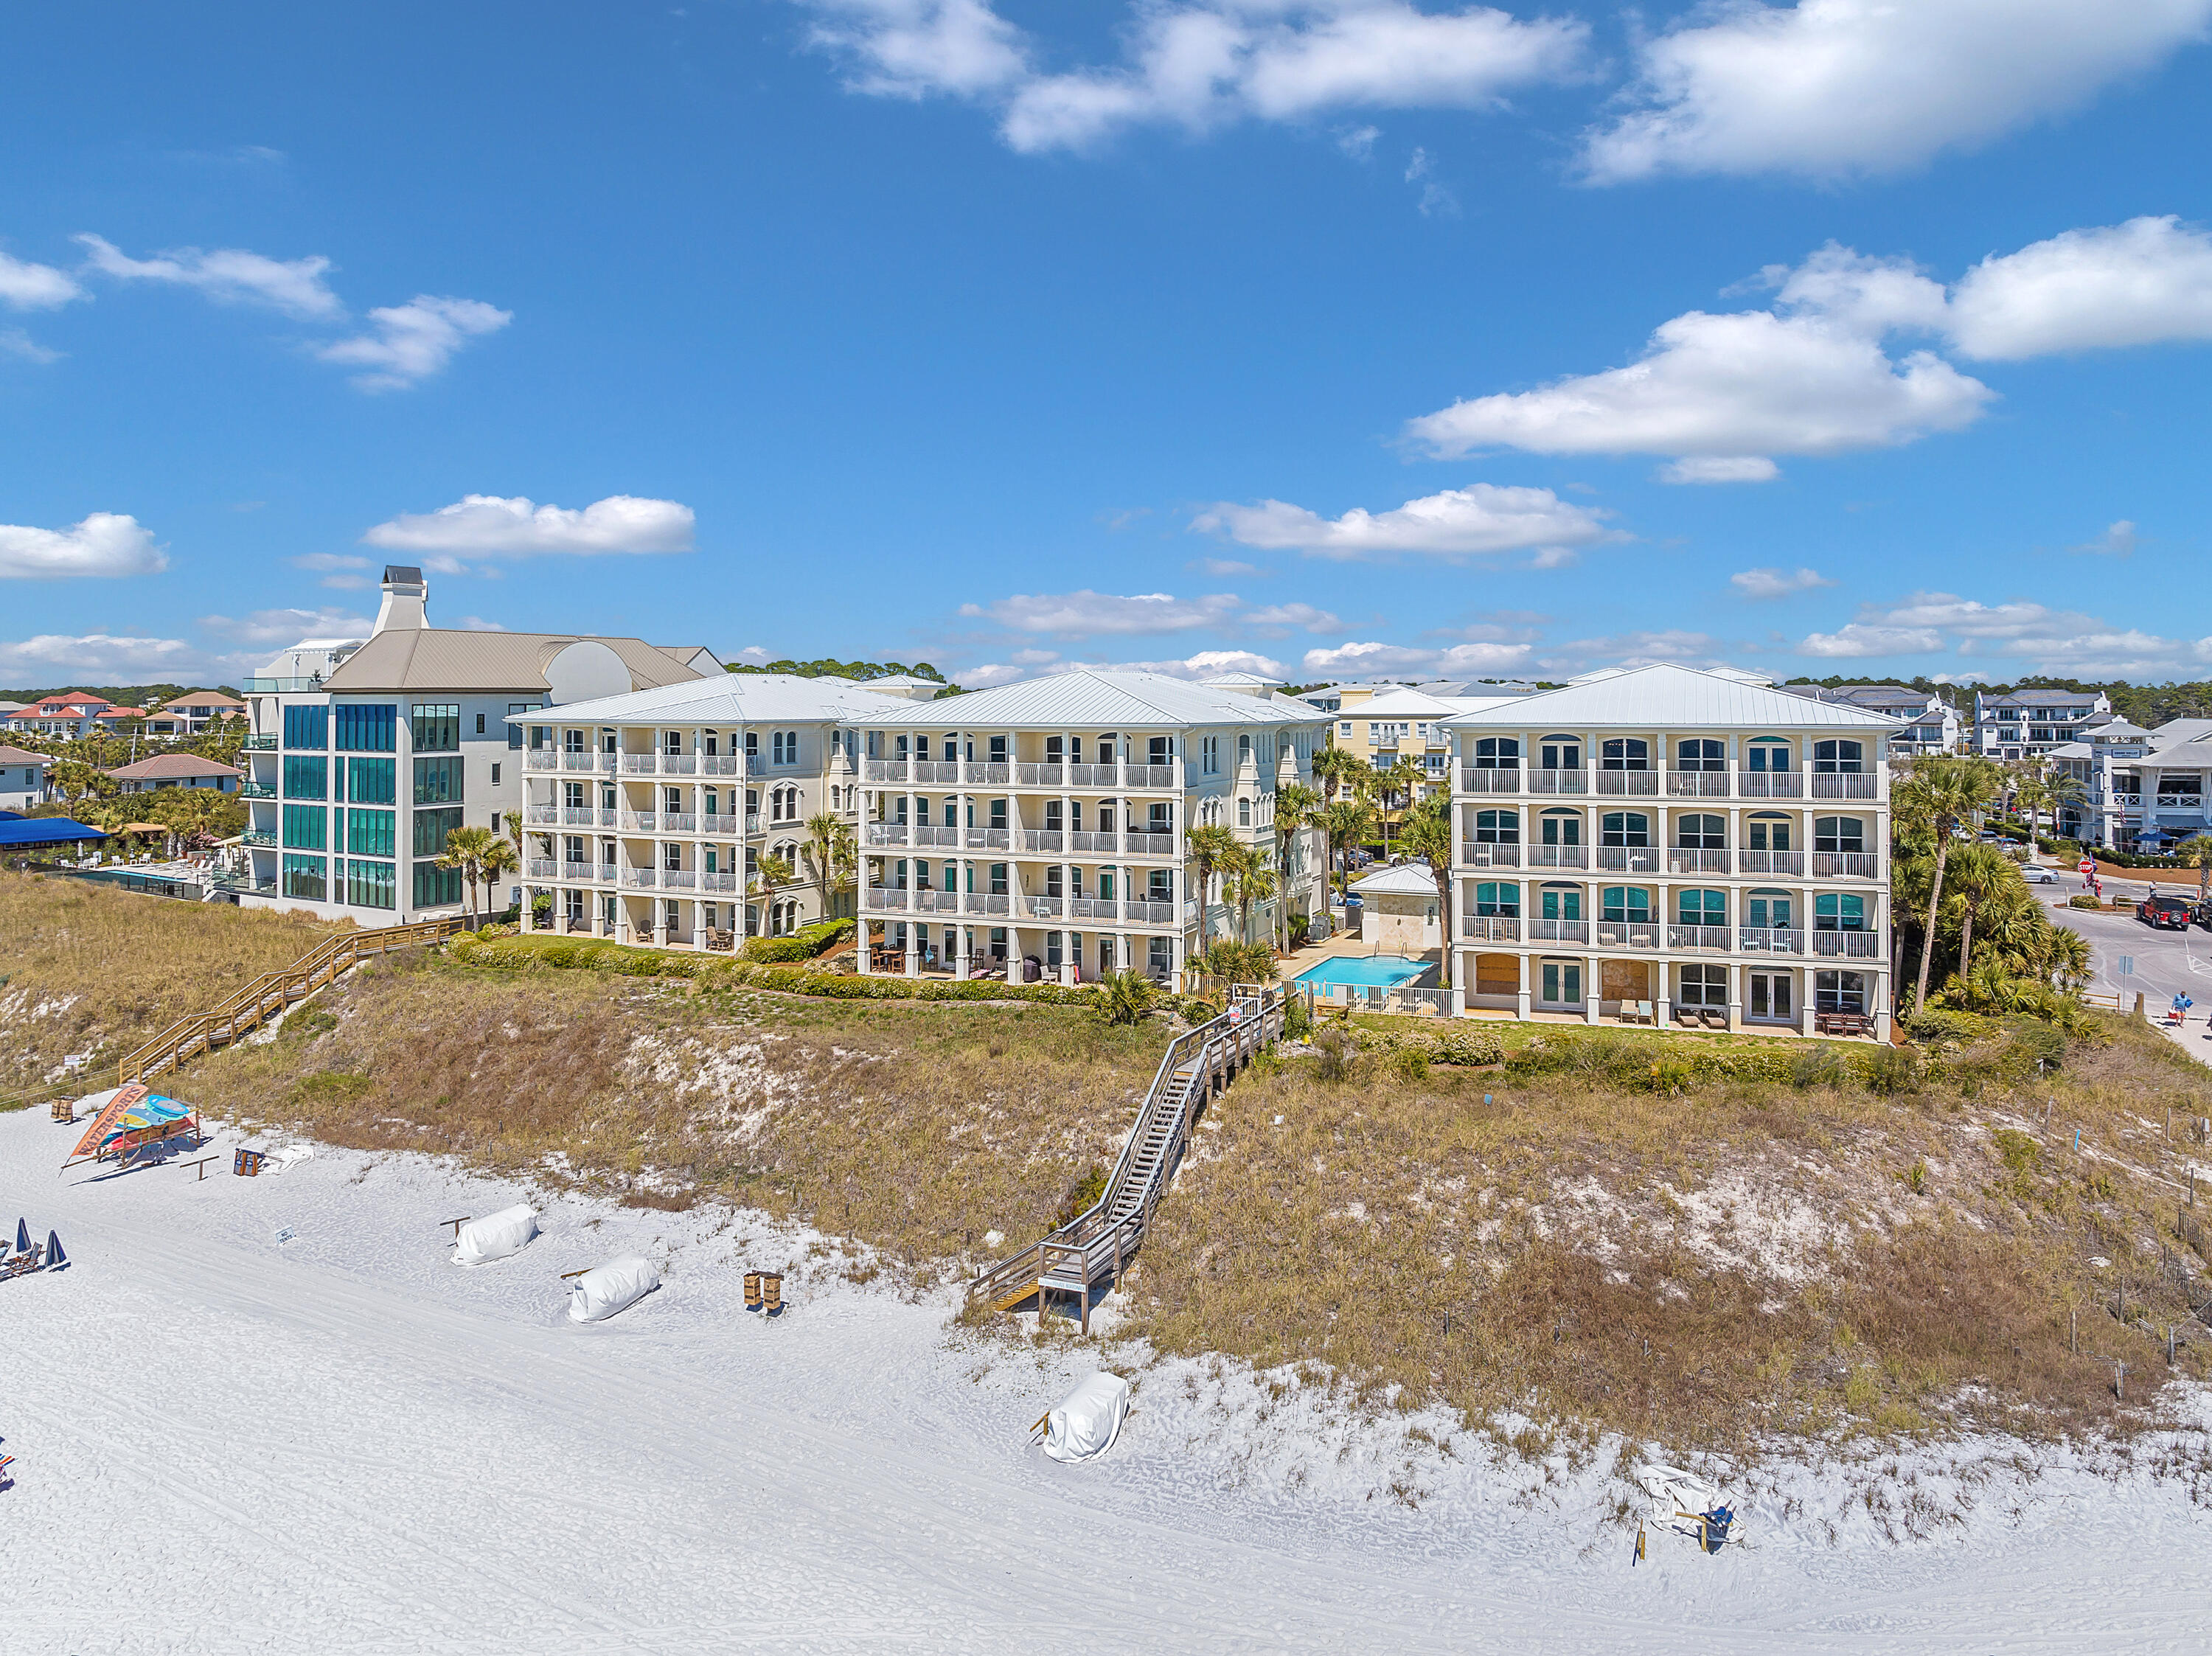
{"x": 2039, "y": 874}
{"x": 2164, "y": 911}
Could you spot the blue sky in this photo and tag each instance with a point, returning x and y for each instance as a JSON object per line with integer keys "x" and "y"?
{"x": 1336, "y": 339}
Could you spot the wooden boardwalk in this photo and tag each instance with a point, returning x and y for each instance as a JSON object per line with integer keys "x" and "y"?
{"x": 1096, "y": 1244}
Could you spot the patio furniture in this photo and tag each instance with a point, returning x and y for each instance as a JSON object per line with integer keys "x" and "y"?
{"x": 1715, "y": 1019}
{"x": 1686, "y": 1016}
{"x": 1635, "y": 1011}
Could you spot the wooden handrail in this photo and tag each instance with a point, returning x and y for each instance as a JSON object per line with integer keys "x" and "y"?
{"x": 271, "y": 993}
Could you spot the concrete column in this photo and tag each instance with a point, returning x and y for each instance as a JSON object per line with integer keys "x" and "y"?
{"x": 1736, "y": 993}
{"x": 866, "y": 937}
{"x": 1590, "y": 991}
{"x": 913, "y": 946}
{"x": 1805, "y": 1001}
{"x": 1013, "y": 952}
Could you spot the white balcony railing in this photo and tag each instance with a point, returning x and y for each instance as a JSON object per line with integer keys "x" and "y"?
{"x": 718, "y": 764}
{"x": 1149, "y": 844}
{"x": 1847, "y": 785}
{"x": 882, "y": 899}
{"x": 1771, "y": 784}
{"x": 1559, "y": 781}
{"x": 1041, "y": 908}
{"x": 987, "y": 902}
{"x": 681, "y": 879}
{"x": 1770, "y": 940}
{"x": 679, "y": 821}
{"x": 1558, "y": 856}
{"x": 539, "y": 816}
{"x": 540, "y": 868}
{"x": 714, "y": 880}
{"x": 1628, "y": 934}
{"x": 1479, "y": 779}
{"x": 1770, "y": 862}
{"x": 541, "y": 759}
{"x": 1040, "y": 839}
{"x": 1559, "y": 930}
{"x": 1632, "y": 783}
{"x": 1851, "y": 945}
{"x": 1703, "y": 939}
{"x": 640, "y": 876}
{"x": 1489, "y": 928}
{"x": 1093, "y": 841}
{"x": 1846, "y": 864}
{"x": 1629, "y": 860}
{"x": 712, "y": 824}
{"x": 639, "y": 821}
{"x": 1490, "y": 856}
{"x": 885, "y": 834}
{"x": 1697, "y": 784}
{"x": 1696, "y": 860}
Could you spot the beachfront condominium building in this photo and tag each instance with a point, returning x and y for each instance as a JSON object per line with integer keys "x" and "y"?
{"x": 687, "y": 817}
{"x": 1035, "y": 830}
{"x": 1669, "y": 842}
{"x": 2029, "y": 724}
{"x": 363, "y": 762}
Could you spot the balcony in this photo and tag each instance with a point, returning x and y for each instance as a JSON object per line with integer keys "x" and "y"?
{"x": 1490, "y": 856}
{"x": 1094, "y": 776}
{"x": 1558, "y": 856}
{"x": 1094, "y": 842}
{"x": 1636, "y": 784}
{"x": 541, "y": 868}
{"x": 246, "y": 882}
{"x": 885, "y": 834}
{"x": 1700, "y": 939}
{"x": 639, "y": 821}
{"x": 986, "y": 775}
{"x": 679, "y": 764}
{"x": 541, "y": 759}
{"x": 576, "y": 759}
{"x": 679, "y": 879}
{"x": 1846, "y": 864}
{"x": 1149, "y": 844}
{"x": 1041, "y": 776}
{"x": 640, "y": 878}
{"x": 1040, "y": 839}
{"x": 939, "y": 902}
{"x": 1771, "y": 862}
{"x": 1149, "y": 913}
{"x": 1770, "y": 784}
{"x": 1846, "y": 785}
{"x": 1770, "y": 940}
{"x": 542, "y": 815}
{"x": 1148, "y": 776}
{"x": 753, "y": 822}
{"x": 1693, "y": 859}
{"x": 710, "y": 880}
{"x": 1559, "y": 930}
{"x": 1489, "y": 928}
{"x": 1041, "y": 908}
{"x": 1559, "y": 781}
{"x": 883, "y": 770}
{"x": 1696, "y": 785}
{"x": 261, "y": 839}
{"x": 258, "y": 744}
{"x": 718, "y": 764}
{"x": 679, "y": 821}
{"x": 712, "y": 824}
{"x": 987, "y": 903}
{"x": 1093, "y": 908}
{"x": 639, "y": 764}
{"x": 988, "y": 839}
{"x": 1849, "y": 945}
{"x": 251, "y": 790}
{"x": 1629, "y": 860}
{"x": 1479, "y": 779}
{"x": 883, "y": 900}
{"x": 1628, "y": 934}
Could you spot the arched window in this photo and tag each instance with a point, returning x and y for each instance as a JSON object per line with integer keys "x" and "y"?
{"x": 1701, "y": 908}
{"x": 1498, "y": 827}
{"x": 1625, "y": 828}
{"x": 1700, "y": 753}
{"x": 1497, "y": 753}
{"x": 1837, "y": 758}
{"x": 1497, "y": 900}
{"x": 1562, "y": 828}
{"x": 1243, "y": 813}
{"x": 1561, "y": 902}
{"x": 1701, "y": 831}
{"x": 1769, "y": 911}
{"x": 1769, "y": 830}
{"x": 1767, "y": 753}
{"x": 1626, "y": 753}
{"x": 1838, "y": 911}
{"x": 1560, "y": 753}
{"x": 1838, "y": 833}
{"x": 1624, "y": 902}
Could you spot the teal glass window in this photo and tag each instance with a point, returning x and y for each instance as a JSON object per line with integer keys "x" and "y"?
{"x": 1499, "y": 899}
{"x": 1563, "y": 903}
{"x": 304, "y": 829}
{"x": 366, "y": 730}
{"x": 307, "y": 727}
{"x": 307, "y": 776}
{"x": 1629, "y": 903}
{"x": 431, "y": 828}
{"x": 1838, "y": 911}
{"x": 304, "y": 878}
{"x": 369, "y": 885}
{"x": 1701, "y": 908}
{"x": 368, "y": 833}
{"x": 1562, "y": 981}
{"x": 437, "y": 781}
{"x": 369, "y": 781}
{"x": 435, "y": 887}
{"x": 437, "y": 727}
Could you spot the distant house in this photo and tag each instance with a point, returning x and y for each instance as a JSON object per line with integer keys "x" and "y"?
{"x": 67, "y": 717}
{"x": 23, "y": 779}
{"x": 2030, "y": 724}
{"x": 189, "y": 715}
{"x": 1932, "y": 724}
{"x": 177, "y": 770}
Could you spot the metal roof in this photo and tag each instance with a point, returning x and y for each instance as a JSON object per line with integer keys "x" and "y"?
{"x": 1409, "y": 703}
{"x": 1667, "y": 697}
{"x": 1406, "y": 880}
{"x": 452, "y": 658}
{"x": 732, "y": 700}
{"x": 19, "y": 757}
{"x": 1100, "y": 699}
{"x": 45, "y": 831}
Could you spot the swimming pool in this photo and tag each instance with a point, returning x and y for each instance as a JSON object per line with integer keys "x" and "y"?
{"x": 1370, "y": 972}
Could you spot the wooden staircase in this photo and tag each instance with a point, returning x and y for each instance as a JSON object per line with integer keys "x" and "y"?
{"x": 268, "y": 995}
{"x": 1096, "y": 1244}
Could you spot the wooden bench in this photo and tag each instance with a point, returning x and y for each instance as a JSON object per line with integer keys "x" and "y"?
{"x": 1842, "y": 1024}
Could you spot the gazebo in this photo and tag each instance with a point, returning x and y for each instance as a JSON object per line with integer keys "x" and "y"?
{"x": 1401, "y": 909}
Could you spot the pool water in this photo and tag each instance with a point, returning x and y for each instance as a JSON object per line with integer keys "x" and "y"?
{"x": 1373, "y": 972}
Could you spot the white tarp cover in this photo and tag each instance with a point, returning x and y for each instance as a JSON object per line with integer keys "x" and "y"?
{"x": 604, "y": 1289}
{"x": 1673, "y": 1492}
{"x": 496, "y": 1235}
{"x": 1088, "y": 1419}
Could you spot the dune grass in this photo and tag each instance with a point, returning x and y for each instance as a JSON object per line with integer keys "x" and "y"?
{"x": 86, "y": 967}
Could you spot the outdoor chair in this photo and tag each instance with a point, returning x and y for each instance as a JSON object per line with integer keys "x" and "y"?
{"x": 1686, "y": 1016}
{"x": 1715, "y": 1019}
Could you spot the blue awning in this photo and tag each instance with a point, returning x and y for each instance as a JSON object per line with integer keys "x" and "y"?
{"x": 47, "y": 831}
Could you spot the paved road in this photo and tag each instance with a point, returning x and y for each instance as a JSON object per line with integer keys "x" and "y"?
{"x": 2164, "y": 962}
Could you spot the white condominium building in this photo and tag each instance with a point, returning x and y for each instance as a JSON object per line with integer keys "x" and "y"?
{"x": 653, "y": 818}
{"x": 367, "y": 754}
{"x": 1684, "y": 841}
{"x": 1036, "y": 830}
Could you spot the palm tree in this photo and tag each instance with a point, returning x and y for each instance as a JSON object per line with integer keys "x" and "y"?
{"x": 1336, "y": 770}
{"x": 1206, "y": 847}
{"x": 1296, "y": 806}
{"x": 1428, "y": 836}
{"x": 1397, "y": 788}
{"x": 771, "y": 873}
{"x": 1941, "y": 792}
{"x": 832, "y": 853}
{"x": 499, "y": 858}
{"x": 465, "y": 850}
{"x": 2197, "y": 848}
{"x": 1341, "y": 824}
{"x": 1977, "y": 875}
{"x": 1247, "y": 878}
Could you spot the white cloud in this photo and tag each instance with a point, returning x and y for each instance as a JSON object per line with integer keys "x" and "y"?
{"x": 1278, "y": 618}
{"x": 1555, "y": 557}
{"x": 1480, "y": 518}
{"x": 1721, "y": 469}
{"x": 1029, "y": 664}
{"x": 478, "y": 624}
{"x": 294, "y": 286}
{"x": 1357, "y": 141}
{"x": 16, "y": 342}
{"x": 2137, "y": 284}
{"x": 1809, "y": 376}
{"x": 754, "y": 654}
{"x": 1370, "y": 660}
{"x": 493, "y": 526}
{"x": 1858, "y": 639}
{"x": 1225, "y": 567}
{"x": 1639, "y": 649}
{"x": 25, "y": 286}
{"x": 2119, "y": 541}
{"x": 412, "y": 341}
{"x": 1086, "y": 612}
{"x": 283, "y": 627}
{"x": 337, "y": 570}
{"x": 1777, "y": 583}
{"x": 104, "y": 657}
{"x": 1830, "y": 86}
{"x": 2027, "y": 635}
{"x": 103, "y": 543}
{"x": 1201, "y": 64}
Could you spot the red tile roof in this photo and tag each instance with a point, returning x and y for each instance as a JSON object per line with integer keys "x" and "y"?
{"x": 174, "y": 764}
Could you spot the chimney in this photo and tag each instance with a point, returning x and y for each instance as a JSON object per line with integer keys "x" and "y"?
{"x": 402, "y": 610}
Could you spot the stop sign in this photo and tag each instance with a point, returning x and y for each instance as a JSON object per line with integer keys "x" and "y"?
{"x": 2087, "y": 866}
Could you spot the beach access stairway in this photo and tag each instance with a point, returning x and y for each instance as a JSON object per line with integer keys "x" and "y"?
{"x": 1096, "y": 1244}
{"x": 269, "y": 994}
